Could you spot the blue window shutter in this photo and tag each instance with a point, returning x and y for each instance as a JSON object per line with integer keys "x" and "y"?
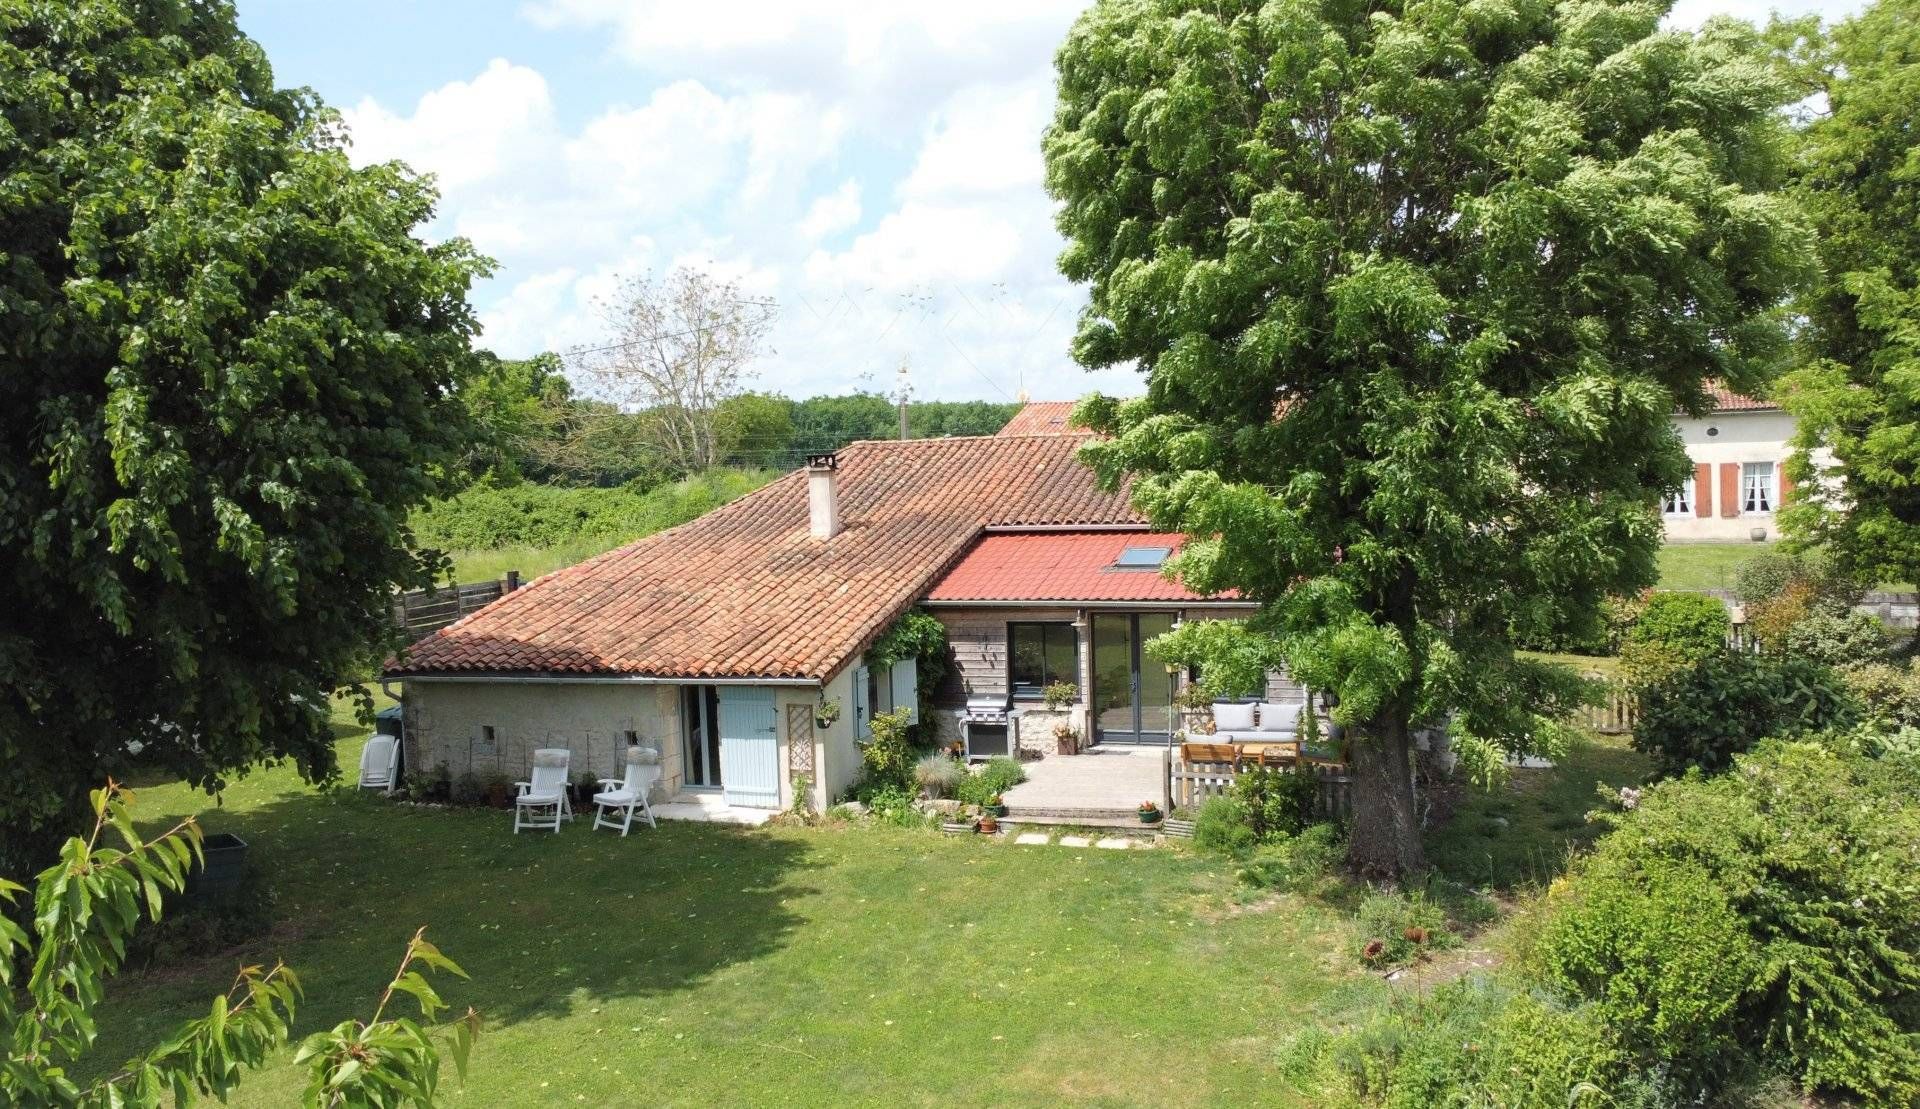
{"x": 905, "y": 673}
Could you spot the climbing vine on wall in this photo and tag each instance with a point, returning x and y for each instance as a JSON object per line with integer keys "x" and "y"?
{"x": 918, "y": 636}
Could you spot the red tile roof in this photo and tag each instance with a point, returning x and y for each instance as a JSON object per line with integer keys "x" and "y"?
{"x": 1060, "y": 566}
{"x": 746, "y": 592}
{"x": 1042, "y": 417}
{"x": 1726, "y": 400}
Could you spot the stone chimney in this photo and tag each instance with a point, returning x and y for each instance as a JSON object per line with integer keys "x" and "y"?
{"x": 823, "y": 495}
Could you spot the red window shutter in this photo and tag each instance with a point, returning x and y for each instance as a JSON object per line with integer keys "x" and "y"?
{"x": 1703, "y": 489}
{"x": 1786, "y": 483}
{"x": 1729, "y": 489}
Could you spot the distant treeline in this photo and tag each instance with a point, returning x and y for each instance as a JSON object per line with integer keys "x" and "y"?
{"x": 534, "y": 427}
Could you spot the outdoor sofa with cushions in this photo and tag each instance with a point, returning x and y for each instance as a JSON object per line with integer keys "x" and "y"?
{"x": 1237, "y": 722}
{"x": 1271, "y": 722}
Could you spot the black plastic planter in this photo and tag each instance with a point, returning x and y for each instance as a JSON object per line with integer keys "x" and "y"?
{"x": 225, "y": 868}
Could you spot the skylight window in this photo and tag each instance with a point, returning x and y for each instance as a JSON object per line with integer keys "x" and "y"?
{"x": 1143, "y": 558}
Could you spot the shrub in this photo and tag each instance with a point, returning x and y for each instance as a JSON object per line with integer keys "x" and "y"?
{"x": 1223, "y": 826}
{"x": 1765, "y": 576}
{"x": 484, "y": 518}
{"x": 1766, "y": 913}
{"x": 888, "y": 751}
{"x": 1394, "y": 929}
{"x": 1722, "y": 706}
{"x": 465, "y": 789}
{"x": 1846, "y": 637}
{"x": 1479, "y": 1042}
{"x": 1889, "y": 694}
{"x": 1295, "y": 864}
{"x": 996, "y": 777}
{"x": 938, "y": 774}
{"x": 1673, "y": 631}
{"x": 1277, "y": 802}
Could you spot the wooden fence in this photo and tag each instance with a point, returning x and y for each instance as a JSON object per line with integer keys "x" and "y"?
{"x": 1191, "y": 783}
{"x": 425, "y": 611}
{"x": 1615, "y": 713}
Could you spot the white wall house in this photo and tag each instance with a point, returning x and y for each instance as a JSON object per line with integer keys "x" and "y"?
{"x": 1739, "y": 480}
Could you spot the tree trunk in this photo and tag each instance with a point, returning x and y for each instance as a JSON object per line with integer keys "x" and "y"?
{"x": 1384, "y": 840}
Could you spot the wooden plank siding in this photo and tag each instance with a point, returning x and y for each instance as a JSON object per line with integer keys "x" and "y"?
{"x": 977, "y": 638}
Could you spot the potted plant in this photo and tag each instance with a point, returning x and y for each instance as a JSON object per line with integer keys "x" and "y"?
{"x": 1066, "y": 738}
{"x": 1058, "y": 695}
{"x": 989, "y": 824}
{"x": 961, "y": 821}
{"x": 996, "y": 806}
{"x": 1150, "y": 813}
{"x": 826, "y": 713}
{"x": 499, "y": 790}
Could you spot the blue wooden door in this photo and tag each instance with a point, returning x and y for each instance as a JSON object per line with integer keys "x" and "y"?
{"x": 749, "y": 747}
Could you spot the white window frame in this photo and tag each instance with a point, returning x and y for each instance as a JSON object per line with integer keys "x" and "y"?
{"x": 1768, "y": 487}
{"x": 1679, "y": 502}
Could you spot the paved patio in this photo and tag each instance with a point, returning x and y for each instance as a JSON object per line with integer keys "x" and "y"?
{"x": 1103, "y": 785}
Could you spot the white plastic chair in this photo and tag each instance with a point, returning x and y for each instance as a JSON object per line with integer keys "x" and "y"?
{"x": 614, "y": 805}
{"x": 542, "y": 802}
{"x": 380, "y": 763}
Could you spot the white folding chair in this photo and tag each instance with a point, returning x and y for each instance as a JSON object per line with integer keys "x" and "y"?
{"x": 614, "y": 805}
{"x": 380, "y": 762}
{"x": 542, "y": 802}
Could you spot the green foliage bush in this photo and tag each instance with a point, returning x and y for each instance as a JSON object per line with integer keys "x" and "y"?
{"x": 1277, "y": 802}
{"x": 544, "y": 515}
{"x": 888, "y": 754}
{"x": 1295, "y": 864}
{"x": 1223, "y": 826}
{"x": 1480, "y": 1042}
{"x": 1837, "y": 637}
{"x": 1766, "y": 575}
{"x": 1674, "y": 630}
{"x": 918, "y": 635}
{"x": 996, "y": 777}
{"x": 1768, "y": 913}
{"x": 1722, "y": 706}
{"x": 1889, "y": 694}
{"x": 1397, "y": 928}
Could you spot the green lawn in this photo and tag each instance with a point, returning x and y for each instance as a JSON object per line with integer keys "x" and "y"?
{"x": 836, "y": 964}
{"x": 1519, "y": 836}
{"x": 1704, "y": 565}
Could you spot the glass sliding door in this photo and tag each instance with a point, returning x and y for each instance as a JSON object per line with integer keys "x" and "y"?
{"x": 1132, "y": 693}
{"x": 700, "y": 721}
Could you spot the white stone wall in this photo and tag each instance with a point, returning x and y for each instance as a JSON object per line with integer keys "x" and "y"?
{"x": 445, "y": 722}
{"x": 836, "y": 760}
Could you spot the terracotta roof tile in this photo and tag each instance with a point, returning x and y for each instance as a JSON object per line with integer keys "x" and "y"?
{"x": 1042, "y": 417}
{"x": 1726, "y": 400}
{"x": 745, "y": 591}
{"x": 1060, "y": 566}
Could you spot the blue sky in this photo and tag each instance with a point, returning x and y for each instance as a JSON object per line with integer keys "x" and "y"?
{"x": 873, "y": 167}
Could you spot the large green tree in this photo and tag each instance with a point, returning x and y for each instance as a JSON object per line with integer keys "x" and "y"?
{"x": 1415, "y": 286}
{"x": 1857, "y": 396}
{"x": 225, "y": 368}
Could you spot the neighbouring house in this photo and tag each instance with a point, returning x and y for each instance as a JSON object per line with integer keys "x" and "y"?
{"x": 735, "y": 644}
{"x": 1739, "y": 451}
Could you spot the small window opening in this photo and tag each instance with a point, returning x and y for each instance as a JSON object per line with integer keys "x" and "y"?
{"x": 1143, "y": 558}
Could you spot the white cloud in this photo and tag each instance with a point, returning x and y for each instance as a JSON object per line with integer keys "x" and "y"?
{"x": 986, "y": 140}
{"x": 836, "y": 211}
{"x": 462, "y": 132}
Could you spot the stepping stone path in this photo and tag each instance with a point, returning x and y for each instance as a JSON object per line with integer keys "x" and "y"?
{"x": 1110, "y": 843}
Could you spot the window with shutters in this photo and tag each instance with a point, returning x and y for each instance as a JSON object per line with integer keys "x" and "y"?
{"x": 1758, "y": 491}
{"x": 1679, "y": 502}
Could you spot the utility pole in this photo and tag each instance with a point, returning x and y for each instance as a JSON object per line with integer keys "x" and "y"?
{"x": 903, "y": 389}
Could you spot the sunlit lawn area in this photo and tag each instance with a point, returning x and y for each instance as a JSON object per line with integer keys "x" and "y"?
{"x": 487, "y": 565}
{"x": 841, "y": 964}
{"x": 1704, "y": 565}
